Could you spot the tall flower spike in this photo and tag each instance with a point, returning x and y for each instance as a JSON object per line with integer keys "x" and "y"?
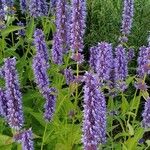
{"x": 40, "y": 73}
{"x": 94, "y": 52}
{"x": 68, "y": 73}
{"x": 40, "y": 68}
{"x": 120, "y": 66}
{"x": 143, "y": 61}
{"x": 41, "y": 48}
{"x": 146, "y": 114}
{"x": 27, "y": 143}
{"x": 94, "y": 123}
{"x": 25, "y": 138}
{"x": 23, "y": 5}
{"x": 78, "y": 17}
{"x": 13, "y": 95}
{"x": 38, "y": 8}
{"x": 127, "y": 17}
{"x": 50, "y": 104}
{"x": 3, "y": 103}
{"x": 60, "y": 38}
{"x": 57, "y": 52}
{"x": 104, "y": 60}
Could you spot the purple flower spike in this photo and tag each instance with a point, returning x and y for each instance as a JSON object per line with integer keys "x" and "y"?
{"x": 101, "y": 60}
{"x": 69, "y": 75}
{"x": 23, "y": 5}
{"x": 94, "y": 123}
{"x": 50, "y": 104}
{"x": 121, "y": 68}
{"x": 104, "y": 61}
{"x": 38, "y": 8}
{"x": 127, "y": 17}
{"x": 143, "y": 61}
{"x": 61, "y": 24}
{"x": 130, "y": 54}
{"x": 40, "y": 73}
{"x": 146, "y": 114}
{"x": 41, "y": 48}
{"x": 27, "y": 143}
{"x": 13, "y": 95}
{"x": 3, "y": 103}
{"x": 25, "y": 138}
{"x": 78, "y": 17}
{"x": 41, "y": 62}
{"x": 94, "y": 52}
{"x": 57, "y": 51}
{"x": 60, "y": 41}
{"x": 40, "y": 68}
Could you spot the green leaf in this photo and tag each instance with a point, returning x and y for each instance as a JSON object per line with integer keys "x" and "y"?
{"x": 6, "y": 147}
{"x": 148, "y": 142}
{"x": 130, "y": 79}
{"x": 30, "y": 29}
{"x": 131, "y": 130}
{"x": 10, "y": 29}
{"x": 122, "y": 134}
{"x": 5, "y": 140}
{"x": 39, "y": 118}
{"x": 124, "y": 105}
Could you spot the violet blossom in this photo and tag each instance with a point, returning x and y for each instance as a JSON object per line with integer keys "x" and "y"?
{"x": 94, "y": 123}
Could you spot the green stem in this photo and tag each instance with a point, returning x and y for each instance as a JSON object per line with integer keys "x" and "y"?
{"x": 76, "y": 95}
{"x": 133, "y": 102}
{"x": 43, "y": 139}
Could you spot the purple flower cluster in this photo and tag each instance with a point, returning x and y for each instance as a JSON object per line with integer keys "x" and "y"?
{"x": 50, "y": 104}
{"x": 57, "y": 53}
{"x": 93, "y": 57}
{"x": 2, "y": 15}
{"x": 40, "y": 68}
{"x": 3, "y": 103}
{"x": 60, "y": 38}
{"x": 38, "y": 8}
{"x": 94, "y": 123}
{"x": 69, "y": 75}
{"x": 24, "y": 5}
{"x": 9, "y": 4}
{"x": 146, "y": 114}
{"x": 22, "y": 31}
{"x": 141, "y": 85}
{"x": 121, "y": 67}
{"x": 130, "y": 54}
{"x": 127, "y": 17}
{"x": 101, "y": 60}
{"x": 25, "y": 138}
{"x": 13, "y": 95}
{"x": 143, "y": 61}
{"x": 78, "y": 17}
{"x": 2, "y": 12}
